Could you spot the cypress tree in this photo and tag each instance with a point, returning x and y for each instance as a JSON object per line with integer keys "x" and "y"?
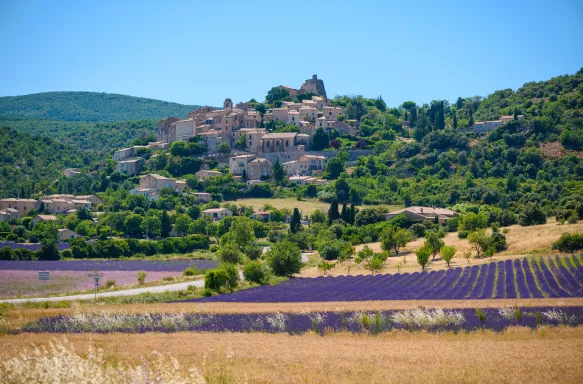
{"x": 352, "y": 214}
{"x": 166, "y": 224}
{"x": 454, "y": 119}
{"x": 333, "y": 213}
{"x": 296, "y": 221}
{"x": 441, "y": 117}
{"x": 515, "y": 114}
{"x": 345, "y": 213}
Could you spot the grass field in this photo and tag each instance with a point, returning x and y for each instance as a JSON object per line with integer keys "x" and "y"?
{"x": 546, "y": 355}
{"x": 306, "y": 206}
{"x": 521, "y": 241}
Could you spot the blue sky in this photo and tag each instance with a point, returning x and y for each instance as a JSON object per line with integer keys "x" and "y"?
{"x": 199, "y": 52}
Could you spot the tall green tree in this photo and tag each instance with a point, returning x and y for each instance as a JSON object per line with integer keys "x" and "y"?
{"x": 166, "y": 224}
{"x": 333, "y": 213}
{"x": 296, "y": 221}
{"x": 278, "y": 173}
{"x": 320, "y": 140}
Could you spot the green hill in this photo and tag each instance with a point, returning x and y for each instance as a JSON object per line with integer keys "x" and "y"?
{"x": 90, "y": 106}
{"x": 29, "y": 164}
{"x": 98, "y": 137}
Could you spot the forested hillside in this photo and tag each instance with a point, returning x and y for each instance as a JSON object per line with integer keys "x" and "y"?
{"x": 30, "y": 164}
{"x": 100, "y": 138}
{"x": 90, "y": 106}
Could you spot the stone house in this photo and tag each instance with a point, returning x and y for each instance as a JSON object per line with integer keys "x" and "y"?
{"x": 284, "y": 142}
{"x": 418, "y": 214}
{"x": 305, "y": 180}
{"x": 23, "y": 206}
{"x": 202, "y": 197}
{"x": 155, "y": 181}
{"x": 70, "y": 172}
{"x": 239, "y": 164}
{"x": 259, "y": 168}
{"x": 7, "y": 214}
{"x": 38, "y": 218}
{"x": 217, "y": 213}
{"x": 131, "y": 166}
{"x": 205, "y": 174}
{"x": 261, "y": 216}
{"x": 66, "y": 234}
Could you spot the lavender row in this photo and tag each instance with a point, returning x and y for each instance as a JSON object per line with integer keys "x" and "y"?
{"x": 112, "y": 265}
{"x": 508, "y": 279}
{"x": 436, "y": 319}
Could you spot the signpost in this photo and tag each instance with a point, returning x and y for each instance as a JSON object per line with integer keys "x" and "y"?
{"x": 44, "y": 275}
{"x": 96, "y": 277}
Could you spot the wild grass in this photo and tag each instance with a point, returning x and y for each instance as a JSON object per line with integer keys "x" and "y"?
{"x": 515, "y": 355}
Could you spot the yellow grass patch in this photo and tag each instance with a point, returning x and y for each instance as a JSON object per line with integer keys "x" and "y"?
{"x": 521, "y": 241}
{"x": 517, "y": 355}
{"x": 306, "y": 206}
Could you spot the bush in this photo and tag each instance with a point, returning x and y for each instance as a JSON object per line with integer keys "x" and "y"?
{"x": 141, "y": 278}
{"x": 190, "y": 271}
{"x": 168, "y": 278}
{"x": 572, "y": 219}
{"x": 285, "y": 258}
{"x": 109, "y": 284}
{"x": 463, "y": 234}
{"x": 532, "y": 215}
{"x": 215, "y": 279}
{"x": 229, "y": 253}
{"x": 253, "y": 251}
{"x": 256, "y": 272}
{"x": 232, "y": 274}
{"x": 569, "y": 242}
{"x": 418, "y": 230}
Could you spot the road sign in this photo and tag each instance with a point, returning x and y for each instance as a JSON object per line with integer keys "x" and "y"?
{"x": 96, "y": 277}
{"x": 44, "y": 275}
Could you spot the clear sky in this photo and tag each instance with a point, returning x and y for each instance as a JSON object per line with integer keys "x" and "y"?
{"x": 199, "y": 52}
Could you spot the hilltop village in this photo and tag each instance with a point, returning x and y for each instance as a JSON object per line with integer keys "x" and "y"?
{"x": 247, "y": 139}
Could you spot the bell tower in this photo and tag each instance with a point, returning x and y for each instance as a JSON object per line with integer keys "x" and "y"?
{"x": 228, "y": 105}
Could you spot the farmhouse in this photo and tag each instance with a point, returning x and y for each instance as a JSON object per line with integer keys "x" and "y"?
{"x": 131, "y": 166}
{"x": 65, "y": 234}
{"x": 217, "y": 213}
{"x": 205, "y": 174}
{"x": 417, "y": 214}
{"x": 23, "y": 206}
{"x": 38, "y": 218}
{"x": 202, "y": 197}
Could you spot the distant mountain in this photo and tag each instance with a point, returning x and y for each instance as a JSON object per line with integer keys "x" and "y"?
{"x": 90, "y": 106}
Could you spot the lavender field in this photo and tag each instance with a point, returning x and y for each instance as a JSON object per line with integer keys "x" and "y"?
{"x": 20, "y": 278}
{"x": 20, "y": 283}
{"x": 435, "y": 319}
{"x": 110, "y": 265}
{"x": 519, "y": 278}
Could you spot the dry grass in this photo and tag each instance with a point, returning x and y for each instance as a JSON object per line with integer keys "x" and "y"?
{"x": 306, "y": 206}
{"x": 516, "y": 355}
{"x": 521, "y": 241}
{"x": 20, "y": 316}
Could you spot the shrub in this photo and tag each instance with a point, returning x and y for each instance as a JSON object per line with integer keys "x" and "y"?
{"x": 191, "y": 271}
{"x": 418, "y": 230}
{"x": 229, "y": 253}
{"x": 569, "y": 242}
{"x": 168, "y": 278}
{"x": 463, "y": 234}
{"x": 215, "y": 279}
{"x": 481, "y": 316}
{"x": 253, "y": 251}
{"x": 141, "y": 278}
{"x": 285, "y": 258}
{"x": 109, "y": 284}
{"x": 256, "y": 272}
{"x": 572, "y": 219}
{"x": 232, "y": 274}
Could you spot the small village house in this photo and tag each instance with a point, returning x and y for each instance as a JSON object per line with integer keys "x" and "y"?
{"x": 217, "y": 213}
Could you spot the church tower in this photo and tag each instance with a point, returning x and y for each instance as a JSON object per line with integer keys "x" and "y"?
{"x": 228, "y": 105}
